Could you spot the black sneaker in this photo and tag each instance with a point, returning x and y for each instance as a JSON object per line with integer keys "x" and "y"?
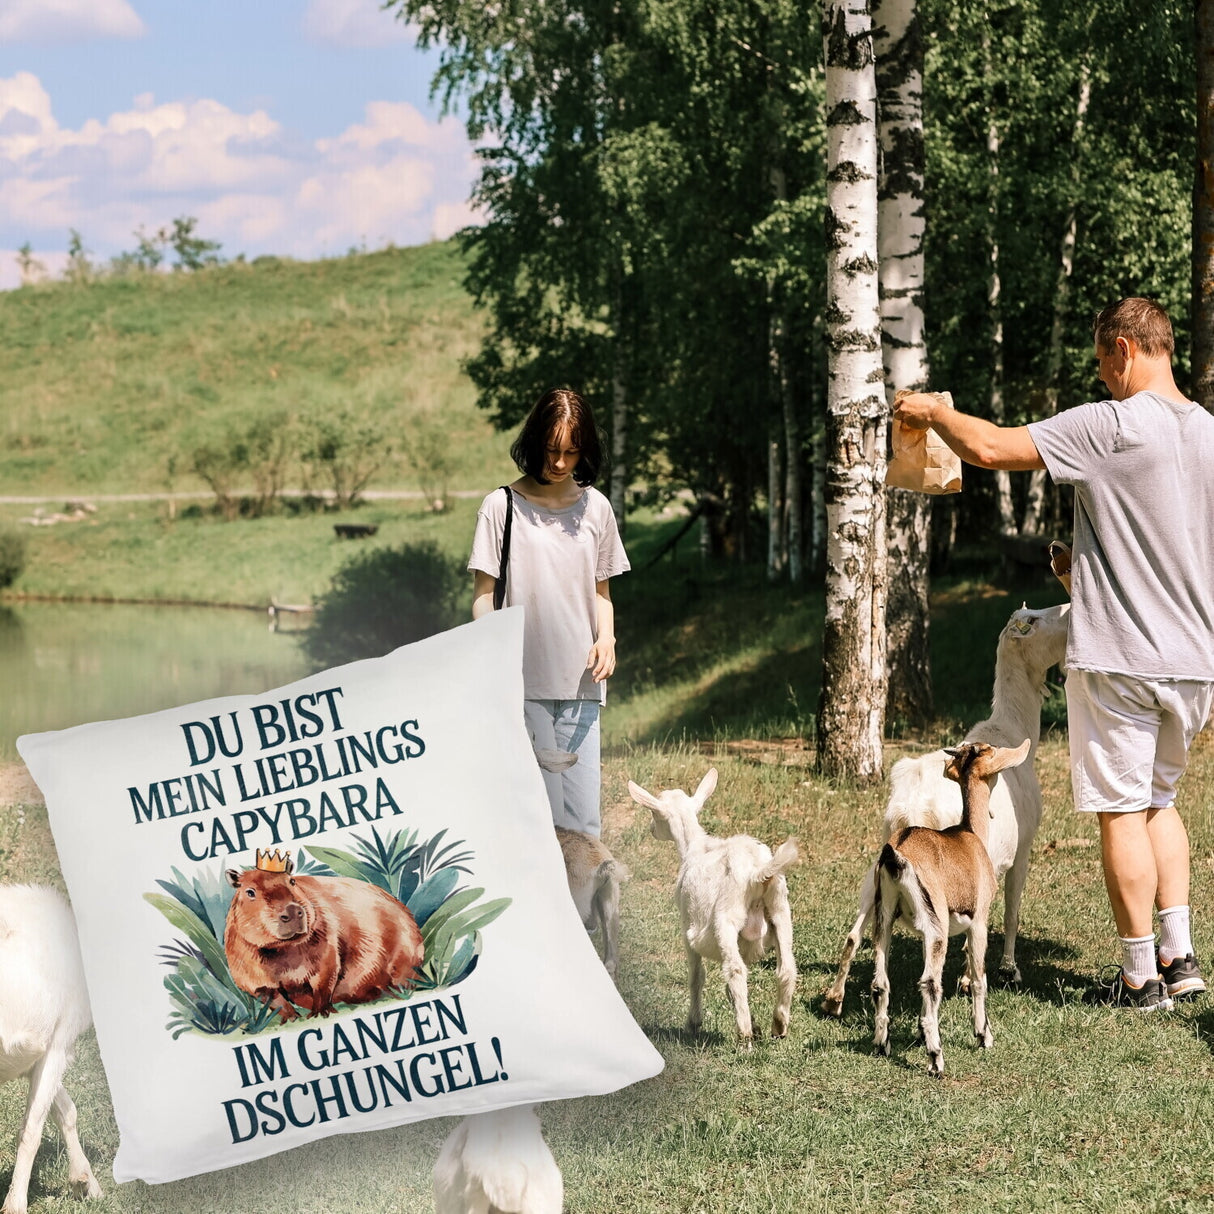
{"x": 1151, "y": 996}
{"x": 1182, "y": 977}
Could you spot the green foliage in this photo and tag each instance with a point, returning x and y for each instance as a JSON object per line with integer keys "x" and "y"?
{"x": 13, "y": 551}
{"x": 429, "y": 448}
{"x": 79, "y": 270}
{"x": 192, "y": 252}
{"x": 260, "y": 452}
{"x": 343, "y": 451}
{"x": 382, "y": 599}
{"x": 424, "y": 876}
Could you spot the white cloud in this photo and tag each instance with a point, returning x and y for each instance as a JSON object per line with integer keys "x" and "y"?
{"x": 356, "y": 23}
{"x": 68, "y": 20}
{"x": 396, "y": 177}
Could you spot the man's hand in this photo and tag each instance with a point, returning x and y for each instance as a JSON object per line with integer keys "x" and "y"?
{"x": 916, "y": 409}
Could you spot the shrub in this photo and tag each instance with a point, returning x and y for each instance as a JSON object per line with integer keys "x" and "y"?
{"x": 382, "y": 599}
{"x": 12, "y": 557}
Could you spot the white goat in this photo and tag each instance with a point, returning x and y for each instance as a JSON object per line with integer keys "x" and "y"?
{"x": 498, "y": 1163}
{"x": 594, "y": 876}
{"x": 1030, "y": 643}
{"x": 44, "y": 1007}
{"x": 940, "y": 883}
{"x": 733, "y": 900}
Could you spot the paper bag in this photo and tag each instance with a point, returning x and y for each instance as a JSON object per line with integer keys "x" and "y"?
{"x": 921, "y": 459}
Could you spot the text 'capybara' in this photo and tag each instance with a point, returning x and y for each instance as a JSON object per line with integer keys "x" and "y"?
{"x": 316, "y": 941}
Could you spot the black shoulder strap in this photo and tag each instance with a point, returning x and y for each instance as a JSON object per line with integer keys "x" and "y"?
{"x": 499, "y": 588}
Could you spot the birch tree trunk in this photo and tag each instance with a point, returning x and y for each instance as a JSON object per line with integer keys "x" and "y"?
{"x": 1062, "y": 291}
{"x": 1003, "y": 482}
{"x": 852, "y": 705}
{"x": 1203, "y": 211}
{"x": 899, "y": 66}
{"x": 794, "y": 543}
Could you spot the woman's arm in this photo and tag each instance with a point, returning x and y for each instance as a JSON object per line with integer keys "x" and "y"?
{"x": 602, "y": 653}
{"x": 482, "y": 593}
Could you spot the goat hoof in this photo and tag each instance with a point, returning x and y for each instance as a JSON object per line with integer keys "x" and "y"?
{"x": 85, "y": 1186}
{"x": 1009, "y": 975}
{"x": 746, "y": 1044}
{"x": 881, "y": 1049}
{"x": 963, "y": 986}
{"x": 936, "y": 1066}
{"x": 832, "y": 1006}
{"x": 986, "y": 1038}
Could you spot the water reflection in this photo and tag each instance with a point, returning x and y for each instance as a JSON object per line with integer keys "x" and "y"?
{"x": 65, "y": 664}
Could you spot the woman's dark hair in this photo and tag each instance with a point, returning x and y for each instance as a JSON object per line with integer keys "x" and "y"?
{"x": 555, "y": 409}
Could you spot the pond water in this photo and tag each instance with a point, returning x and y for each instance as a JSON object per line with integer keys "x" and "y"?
{"x": 66, "y": 664}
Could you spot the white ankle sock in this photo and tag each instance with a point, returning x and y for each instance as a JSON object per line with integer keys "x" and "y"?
{"x": 1174, "y": 938}
{"x": 1138, "y": 958}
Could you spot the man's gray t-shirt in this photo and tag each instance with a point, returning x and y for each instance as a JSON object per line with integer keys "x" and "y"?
{"x": 1142, "y": 574}
{"x": 556, "y": 557}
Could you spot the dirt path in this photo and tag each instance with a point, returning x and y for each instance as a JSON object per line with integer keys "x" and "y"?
{"x": 17, "y": 786}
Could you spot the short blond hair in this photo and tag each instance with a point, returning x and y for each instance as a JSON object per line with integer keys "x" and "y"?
{"x": 1141, "y": 320}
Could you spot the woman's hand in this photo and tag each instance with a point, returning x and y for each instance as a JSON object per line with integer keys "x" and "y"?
{"x": 602, "y": 658}
{"x": 602, "y": 653}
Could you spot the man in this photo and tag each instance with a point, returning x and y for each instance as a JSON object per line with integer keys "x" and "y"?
{"x": 1140, "y": 655}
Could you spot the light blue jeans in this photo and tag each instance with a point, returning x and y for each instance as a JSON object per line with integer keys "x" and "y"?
{"x": 571, "y": 726}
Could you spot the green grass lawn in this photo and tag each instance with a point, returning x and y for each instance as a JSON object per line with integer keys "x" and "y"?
{"x": 108, "y": 387}
{"x": 1075, "y": 1107}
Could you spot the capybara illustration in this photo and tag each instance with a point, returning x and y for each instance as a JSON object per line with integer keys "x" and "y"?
{"x": 316, "y": 941}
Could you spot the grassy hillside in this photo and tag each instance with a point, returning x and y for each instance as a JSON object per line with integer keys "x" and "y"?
{"x": 105, "y": 384}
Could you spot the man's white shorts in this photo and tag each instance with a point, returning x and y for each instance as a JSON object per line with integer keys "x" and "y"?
{"x": 1130, "y": 737}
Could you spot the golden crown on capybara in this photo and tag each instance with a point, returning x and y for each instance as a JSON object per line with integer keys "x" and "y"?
{"x": 317, "y": 941}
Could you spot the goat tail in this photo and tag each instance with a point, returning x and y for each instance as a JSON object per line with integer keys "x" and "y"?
{"x": 892, "y": 862}
{"x": 787, "y": 854}
{"x": 611, "y": 871}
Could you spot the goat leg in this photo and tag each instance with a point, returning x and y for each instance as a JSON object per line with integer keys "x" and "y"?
{"x": 786, "y": 965}
{"x": 734, "y": 969}
{"x": 1013, "y": 888}
{"x": 832, "y": 1001}
{"x": 695, "y": 981}
{"x": 80, "y": 1175}
{"x": 977, "y": 957}
{"x": 932, "y": 985}
{"x": 883, "y": 930}
{"x": 45, "y": 1079}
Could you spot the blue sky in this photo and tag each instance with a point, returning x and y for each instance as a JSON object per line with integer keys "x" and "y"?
{"x": 298, "y": 127}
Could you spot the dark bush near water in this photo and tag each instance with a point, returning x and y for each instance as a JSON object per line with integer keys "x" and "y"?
{"x": 383, "y": 599}
{"x": 12, "y": 557}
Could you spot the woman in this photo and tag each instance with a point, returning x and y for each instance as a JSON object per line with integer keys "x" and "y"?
{"x": 564, "y": 548}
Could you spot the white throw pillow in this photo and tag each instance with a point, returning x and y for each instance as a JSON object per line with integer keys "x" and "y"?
{"x": 336, "y": 906}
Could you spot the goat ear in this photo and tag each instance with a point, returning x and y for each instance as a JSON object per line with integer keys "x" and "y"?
{"x": 1008, "y": 756}
{"x": 705, "y": 788}
{"x": 641, "y": 797}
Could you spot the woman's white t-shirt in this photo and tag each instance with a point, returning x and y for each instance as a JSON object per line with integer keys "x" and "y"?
{"x": 556, "y": 558}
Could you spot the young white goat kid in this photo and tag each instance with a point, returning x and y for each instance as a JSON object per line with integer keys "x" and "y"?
{"x": 594, "y": 876}
{"x": 1030, "y": 643}
{"x": 941, "y": 883}
{"x": 44, "y": 1007}
{"x": 733, "y": 901}
{"x": 498, "y": 1163}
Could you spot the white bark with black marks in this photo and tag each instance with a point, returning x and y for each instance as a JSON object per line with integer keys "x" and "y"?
{"x": 852, "y": 705}
{"x": 899, "y": 60}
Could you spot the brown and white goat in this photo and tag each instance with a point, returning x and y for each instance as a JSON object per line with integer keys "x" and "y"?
{"x": 941, "y": 883}
{"x": 919, "y": 795}
{"x": 594, "y": 876}
{"x": 733, "y": 902}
